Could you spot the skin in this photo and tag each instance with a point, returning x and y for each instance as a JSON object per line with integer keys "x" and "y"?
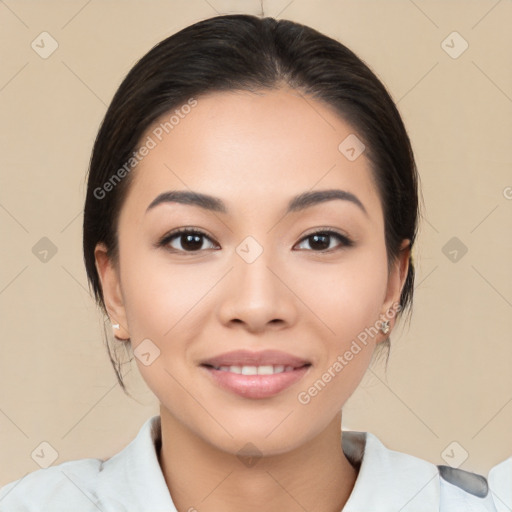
{"x": 254, "y": 151}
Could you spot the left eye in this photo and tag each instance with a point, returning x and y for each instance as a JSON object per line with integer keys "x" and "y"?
{"x": 321, "y": 240}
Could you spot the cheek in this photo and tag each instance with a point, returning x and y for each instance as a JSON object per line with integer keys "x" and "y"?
{"x": 160, "y": 297}
{"x": 347, "y": 295}
{"x": 169, "y": 304}
{"x": 347, "y": 298}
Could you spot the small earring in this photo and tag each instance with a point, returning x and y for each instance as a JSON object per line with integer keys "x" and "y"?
{"x": 385, "y": 326}
{"x": 115, "y": 326}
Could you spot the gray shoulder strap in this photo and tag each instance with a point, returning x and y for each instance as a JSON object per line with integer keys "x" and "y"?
{"x": 470, "y": 482}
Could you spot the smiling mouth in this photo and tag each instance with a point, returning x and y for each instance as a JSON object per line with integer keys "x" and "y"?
{"x": 256, "y": 370}
{"x": 256, "y": 382}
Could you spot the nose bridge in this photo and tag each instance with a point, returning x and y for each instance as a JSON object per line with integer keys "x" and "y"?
{"x": 252, "y": 269}
{"x": 255, "y": 294}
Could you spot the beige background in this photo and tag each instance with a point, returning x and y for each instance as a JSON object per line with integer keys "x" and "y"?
{"x": 449, "y": 377}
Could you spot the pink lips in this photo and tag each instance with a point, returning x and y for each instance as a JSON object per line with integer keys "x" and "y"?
{"x": 262, "y": 358}
{"x": 256, "y": 386}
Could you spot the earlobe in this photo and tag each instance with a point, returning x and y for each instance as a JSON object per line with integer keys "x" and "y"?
{"x": 112, "y": 295}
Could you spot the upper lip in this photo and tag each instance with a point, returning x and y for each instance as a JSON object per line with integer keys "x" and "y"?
{"x": 261, "y": 358}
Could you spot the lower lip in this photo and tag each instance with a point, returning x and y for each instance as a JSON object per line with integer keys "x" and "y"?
{"x": 256, "y": 386}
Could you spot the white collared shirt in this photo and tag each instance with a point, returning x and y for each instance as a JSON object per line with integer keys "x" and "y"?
{"x": 132, "y": 481}
{"x": 500, "y": 485}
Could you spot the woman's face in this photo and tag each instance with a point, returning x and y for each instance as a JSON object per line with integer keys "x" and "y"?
{"x": 255, "y": 279}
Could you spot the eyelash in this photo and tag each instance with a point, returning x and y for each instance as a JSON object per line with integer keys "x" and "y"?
{"x": 164, "y": 241}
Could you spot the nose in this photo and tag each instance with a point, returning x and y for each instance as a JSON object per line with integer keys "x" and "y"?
{"x": 256, "y": 295}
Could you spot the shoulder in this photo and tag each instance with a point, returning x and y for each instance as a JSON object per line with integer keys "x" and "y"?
{"x": 409, "y": 484}
{"x": 463, "y": 490}
{"x": 131, "y": 480}
{"x": 500, "y": 484}
{"x": 68, "y": 483}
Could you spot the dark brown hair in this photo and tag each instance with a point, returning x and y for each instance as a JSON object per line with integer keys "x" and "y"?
{"x": 243, "y": 52}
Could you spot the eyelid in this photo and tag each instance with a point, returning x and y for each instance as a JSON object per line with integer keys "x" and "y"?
{"x": 326, "y": 229}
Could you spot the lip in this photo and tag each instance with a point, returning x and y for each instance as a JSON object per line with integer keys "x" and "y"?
{"x": 256, "y": 386}
{"x": 261, "y": 358}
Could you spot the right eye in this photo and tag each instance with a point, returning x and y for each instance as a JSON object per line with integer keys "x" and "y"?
{"x": 189, "y": 240}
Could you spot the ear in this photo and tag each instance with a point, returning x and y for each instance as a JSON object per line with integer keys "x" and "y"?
{"x": 396, "y": 281}
{"x": 112, "y": 294}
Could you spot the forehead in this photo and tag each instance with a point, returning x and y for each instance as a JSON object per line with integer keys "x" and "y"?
{"x": 252, "y": 150}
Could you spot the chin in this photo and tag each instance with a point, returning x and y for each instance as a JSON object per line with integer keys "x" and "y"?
{"x": 270, "y": 437}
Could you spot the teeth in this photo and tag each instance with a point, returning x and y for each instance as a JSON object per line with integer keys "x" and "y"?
{"x": 256, "y": 370}
{"x": 249, "y": 370}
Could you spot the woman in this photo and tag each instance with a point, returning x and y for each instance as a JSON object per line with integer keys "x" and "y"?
{"x": 251, "y": 209}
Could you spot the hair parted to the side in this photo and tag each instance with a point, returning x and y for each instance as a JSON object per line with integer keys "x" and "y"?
{"x": 244, "y": 52}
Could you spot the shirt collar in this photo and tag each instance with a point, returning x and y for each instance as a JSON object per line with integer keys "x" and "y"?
{"x": 387, "y": 480}
{"x": 500, "y": 478}
{"x": 134, "y": 477}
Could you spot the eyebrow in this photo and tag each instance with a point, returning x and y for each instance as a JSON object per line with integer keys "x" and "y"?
{"x": 297, "y": 203}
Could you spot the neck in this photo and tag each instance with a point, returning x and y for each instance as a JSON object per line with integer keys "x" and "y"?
{"x": 315, "y": 476}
